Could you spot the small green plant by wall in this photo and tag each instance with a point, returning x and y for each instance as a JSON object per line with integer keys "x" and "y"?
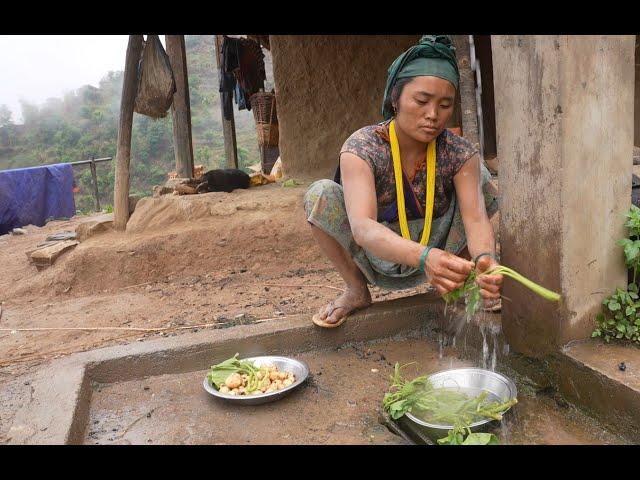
{"x": 620, "y": 316}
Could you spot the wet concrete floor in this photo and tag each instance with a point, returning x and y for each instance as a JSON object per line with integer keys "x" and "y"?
{"x": 339, "y": 404}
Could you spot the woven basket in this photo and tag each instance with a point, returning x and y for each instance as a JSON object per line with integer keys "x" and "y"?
{"x": 268, "y": 134}
{"x": 263, "y": 105}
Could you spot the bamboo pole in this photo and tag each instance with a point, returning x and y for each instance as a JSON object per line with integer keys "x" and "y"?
{"x": 123, "y": 152}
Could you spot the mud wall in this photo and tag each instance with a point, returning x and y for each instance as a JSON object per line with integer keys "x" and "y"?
{"x": 328, "y": 86}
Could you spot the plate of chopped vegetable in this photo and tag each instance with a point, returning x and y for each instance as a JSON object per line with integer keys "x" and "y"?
{"x": 255, "y": 380}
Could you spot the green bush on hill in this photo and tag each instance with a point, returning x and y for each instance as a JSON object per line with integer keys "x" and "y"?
{"x": 84, "y": 123}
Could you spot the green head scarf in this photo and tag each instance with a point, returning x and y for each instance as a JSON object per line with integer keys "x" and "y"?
{"x": 434, "y": 56}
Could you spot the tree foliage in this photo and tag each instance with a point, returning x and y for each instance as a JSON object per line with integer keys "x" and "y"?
{"x": 84, "y": 123}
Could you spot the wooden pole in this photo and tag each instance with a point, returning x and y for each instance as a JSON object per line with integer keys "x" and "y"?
{"x": 123, "y": 152}
{"x": 467, "y": 89}
{"x": 94, "y": 177}
{"x": 180, "y": 108}
{"x": 228, "y": 126}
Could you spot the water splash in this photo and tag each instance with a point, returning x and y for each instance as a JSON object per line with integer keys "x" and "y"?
{"x": 485, "y": 346}
{"x": 494, "y": 355}
{"x": 459, "y": 325}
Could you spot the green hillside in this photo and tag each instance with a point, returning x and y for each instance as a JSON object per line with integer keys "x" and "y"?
{"x": 84, "y": 123}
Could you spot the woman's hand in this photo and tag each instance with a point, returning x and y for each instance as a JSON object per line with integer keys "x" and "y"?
{"x": 445, "y": 271}
{"x": 490, "y": 285}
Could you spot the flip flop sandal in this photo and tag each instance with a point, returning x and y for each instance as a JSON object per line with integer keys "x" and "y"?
{"x": 321, "y": 323}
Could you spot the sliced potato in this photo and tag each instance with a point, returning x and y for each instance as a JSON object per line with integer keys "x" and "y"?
{"x": 233, "y": 381}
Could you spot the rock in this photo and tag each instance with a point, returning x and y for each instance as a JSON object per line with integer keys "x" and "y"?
{"x": 38, "y": 247}
{"x": 95, "y": 226}
{"x": 160, "y": 190}
{"x": 60, "y": 236}
{"x": 172, "y": 183}
{"x": 184, "y": 190}
{"x": 18, "y": 231}
{"x": 133, "y": 202}
{"x": 44, "y": 257}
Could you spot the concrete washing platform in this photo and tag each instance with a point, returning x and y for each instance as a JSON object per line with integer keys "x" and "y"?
{"x": 151, "y": 392}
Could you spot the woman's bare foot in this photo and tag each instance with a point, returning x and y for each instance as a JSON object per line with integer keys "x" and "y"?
{"x": 351, "y": 300}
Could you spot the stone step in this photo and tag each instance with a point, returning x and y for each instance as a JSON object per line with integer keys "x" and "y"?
{"x": 46, "y": 256}
{"x": 591, "y": 377}
{"x": 94, "y": 226}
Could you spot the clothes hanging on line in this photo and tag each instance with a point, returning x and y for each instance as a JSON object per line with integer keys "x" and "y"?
{"x": 243, "y": 73}
{"x": 227, "y": 88}
{"x": 263, "y": 40}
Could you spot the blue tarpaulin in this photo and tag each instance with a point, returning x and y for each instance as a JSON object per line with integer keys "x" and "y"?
{"x": 30, "y": 196}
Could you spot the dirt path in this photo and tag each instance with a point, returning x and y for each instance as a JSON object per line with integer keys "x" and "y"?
{"x": 239, "y": 263}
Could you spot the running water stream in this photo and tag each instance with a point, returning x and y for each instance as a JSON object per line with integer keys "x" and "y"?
{"x": 459, "y": 328}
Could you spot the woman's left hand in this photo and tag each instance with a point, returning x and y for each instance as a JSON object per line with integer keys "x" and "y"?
{"x": 490, "y": 285}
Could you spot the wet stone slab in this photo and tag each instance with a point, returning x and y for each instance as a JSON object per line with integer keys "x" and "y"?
{"x": 339, "y": 404}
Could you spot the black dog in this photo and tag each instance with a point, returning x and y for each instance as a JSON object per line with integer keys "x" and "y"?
{"x": 223, "y": 180}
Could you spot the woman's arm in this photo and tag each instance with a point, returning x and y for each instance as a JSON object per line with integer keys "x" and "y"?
{"x": 480, "y": 237}
{"x": 479, "y": 232}
{"x": 446, "y": 271}
{"x": 361, "y": 204}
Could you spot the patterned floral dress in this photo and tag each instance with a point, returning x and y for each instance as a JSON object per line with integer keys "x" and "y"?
{"x": 324, "y": 202}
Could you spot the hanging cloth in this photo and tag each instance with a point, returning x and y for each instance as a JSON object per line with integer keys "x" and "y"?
{"x": 228, "y": 64}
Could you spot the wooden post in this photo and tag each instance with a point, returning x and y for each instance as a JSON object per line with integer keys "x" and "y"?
{"x": 467, "y": 90}
{"x": 228, "y": 126}
{"x": 94, "y": 176}
{"x": 180, "y": 108}
{"x": 123, "y": 152}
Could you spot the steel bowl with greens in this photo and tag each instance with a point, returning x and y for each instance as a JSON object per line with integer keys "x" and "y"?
{"x": 429, "y": 402}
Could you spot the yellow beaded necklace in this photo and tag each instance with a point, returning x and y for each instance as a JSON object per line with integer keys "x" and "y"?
{"x": 430, "y": 180}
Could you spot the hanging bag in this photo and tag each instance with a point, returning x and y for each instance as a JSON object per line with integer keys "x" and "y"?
{"x": 156, "y": 84}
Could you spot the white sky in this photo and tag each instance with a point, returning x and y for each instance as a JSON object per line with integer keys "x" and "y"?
{"x": 37, "y": 67}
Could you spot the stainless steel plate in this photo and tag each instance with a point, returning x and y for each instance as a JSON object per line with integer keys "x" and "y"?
{"x": 471, "y": 381}
{"x": 284, "y": 364}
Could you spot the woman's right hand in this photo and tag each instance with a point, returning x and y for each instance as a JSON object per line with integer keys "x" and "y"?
{"x": 446, "y": 271}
